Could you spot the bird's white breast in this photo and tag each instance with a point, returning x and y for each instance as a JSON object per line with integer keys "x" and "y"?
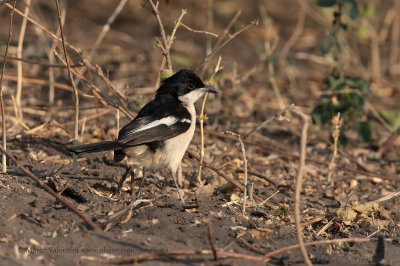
{"x": 178, "y": 145}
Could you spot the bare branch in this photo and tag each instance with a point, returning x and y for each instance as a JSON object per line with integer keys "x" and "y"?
{"x": 71, "y": 79}
{"x": 299, "y": 182}
{"x": 3, "y": 110}
{"x": 198, "y": 31}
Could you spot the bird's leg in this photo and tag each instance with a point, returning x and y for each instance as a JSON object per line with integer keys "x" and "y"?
{"x": 132, "y": 179}
{"x": 177, "y": 186}
{"x": 141, "y": 183}
{"x": 123, "y": 178}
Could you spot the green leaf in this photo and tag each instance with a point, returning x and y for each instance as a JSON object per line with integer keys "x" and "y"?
{"x": 165, "y": 74}
{"x": 156, "y": 44}
{"x": 327, "y": 44}
{"x": 282, "y": 210}
{"x": 368, "y": 10}
{"x": 335, "y": 82}
{"x": 342, "y": 141}
{"x": 355, "y": 99}
{"x": 364, "y": 131}
{"x": 344, "y": 26}
{"x": 350, "y": 7}
{"x": 323, "y": 113}
{"x": 393, "y": 118}
{"x": 273, "y": 59}
{"x": 362, "y": 32}
{"x": 326, "y": 3}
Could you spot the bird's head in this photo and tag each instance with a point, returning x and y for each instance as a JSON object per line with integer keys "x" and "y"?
{"x": 186, "y": 86}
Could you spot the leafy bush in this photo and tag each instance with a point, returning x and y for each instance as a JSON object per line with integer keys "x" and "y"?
{"x": 343, "y": 94}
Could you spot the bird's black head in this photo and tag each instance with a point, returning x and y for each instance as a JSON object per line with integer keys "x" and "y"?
{"x": 184, "y": 85}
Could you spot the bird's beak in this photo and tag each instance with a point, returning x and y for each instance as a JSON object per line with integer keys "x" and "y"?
{"x": 210, "y": 89}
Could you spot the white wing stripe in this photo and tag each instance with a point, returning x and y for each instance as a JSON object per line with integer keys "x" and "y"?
{"x": 170, "y": 120}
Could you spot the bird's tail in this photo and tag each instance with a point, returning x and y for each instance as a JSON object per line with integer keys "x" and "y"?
{"x": 96, "y": 147}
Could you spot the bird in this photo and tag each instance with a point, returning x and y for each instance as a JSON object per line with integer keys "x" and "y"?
{"x": 158, "y": 137}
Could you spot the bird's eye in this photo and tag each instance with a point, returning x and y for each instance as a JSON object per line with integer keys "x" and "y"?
{"x": 191, "y": 86}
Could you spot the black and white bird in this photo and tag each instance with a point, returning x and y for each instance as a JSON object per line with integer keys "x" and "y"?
{"x": 158, "y": 137}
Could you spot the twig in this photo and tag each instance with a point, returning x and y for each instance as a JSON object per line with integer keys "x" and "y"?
{"x": 153, "y": 256}
{"x": 215, "y": 169}
{"x": 52, "y": 35}
{"x": 177, "y": 24}
{"x": 259, "y": 176}
{"x": 103, "y": 32}
{"x": 277, "y": 115}
{"x": 337, "y": 123}
{"x": 315, "y": 220}
{"x": 281, "y": 113}
{"x": 49, "y": 190}
{"x": 121, "y": 100}
{"x": 210, "y": 237}
{"x": 216, "y": 50}
{"x": 165, "y": 42}
{"x": 295, "y": 156}
{"x": 16, "y": 113}
{"x": 299, "y": 182}
{"x": 267, "y": 256}
{"x": 30, "y": 61}
{"x": 198, "y": 31}
{"x": 325, "y": 227}
{"x": 105, "y": 97}
{"x": 3, "y": 110}
{"x": 389, "y": 142}
{"x": 106, "y": 28}
{"x": 2, "y": 2}
{"x": 222, "y": 36}
{"x": 245, "y": 168}
{"x": 87, "y": 118}
{"x": 43, "y": 82}
{"x": 298, "y": 29}
{"x": 227, "y": 29}
{"x": 388, "y": 197}
{"x": 271, "y": 74}
{"x": 19, "y": 65}
{"x": 76, "y": 97}
{"x": 51, "y": 58}
{"x": 201, "y": 121}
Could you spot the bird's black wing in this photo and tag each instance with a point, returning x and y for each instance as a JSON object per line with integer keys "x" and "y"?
{"x": 155, "y": 122}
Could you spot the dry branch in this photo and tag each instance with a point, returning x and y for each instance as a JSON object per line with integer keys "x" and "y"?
{"x": 104, "y": 31}
{"x": 201, "y": 121}
{"x": 198, "y": 31}
{"x": 240, "y": 139}
{"x": 19, "y": 65}
{"x": 76, "y": 97}
{"x": 76, "y": 50}
{"x": 176, "y": 253}
{"x": 266, "y": 257}
{"x": 288, "y": 155}
{"x": 337, "y": 123}
{"x": 299, "y": 182}
{"x": 3, "y": 114}
{"x": 210, "y": 237}
{"x": 30, "y": 61}
{"x": 216, "y": 50}
{"x": 222, "y": 36}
